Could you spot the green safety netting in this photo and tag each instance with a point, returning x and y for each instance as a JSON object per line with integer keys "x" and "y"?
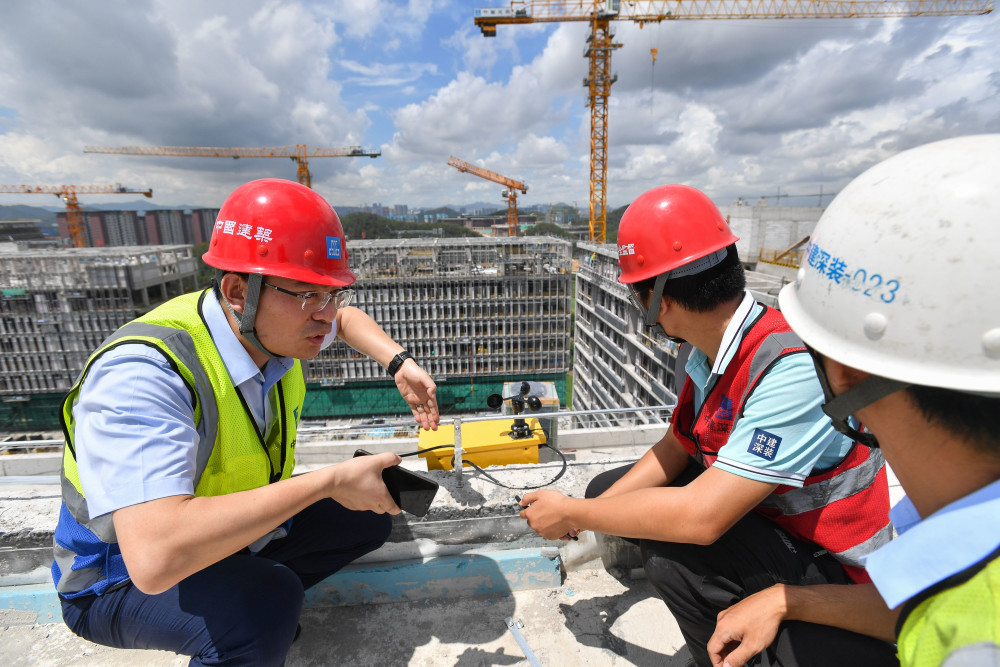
{"x": 358, "y": 400}
{"x": 370, "y": 399}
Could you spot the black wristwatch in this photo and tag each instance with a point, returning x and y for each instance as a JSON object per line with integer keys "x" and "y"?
{"x": 396, "y": 362}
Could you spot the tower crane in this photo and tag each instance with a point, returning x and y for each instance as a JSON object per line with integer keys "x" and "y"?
{"x": 299, "y": 153}
{"x": 510, "y": 194}
{"x": 600, "y": 44}
{"x": 68, "y": 194}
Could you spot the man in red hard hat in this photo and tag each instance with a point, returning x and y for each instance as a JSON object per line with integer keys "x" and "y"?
{"x": 181, "y": 527}
{"x": 751, "y": 485}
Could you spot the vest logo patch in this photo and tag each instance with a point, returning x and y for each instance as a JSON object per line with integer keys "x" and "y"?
{"x": 764, "y": 444}
{"x": 721, "y": 419}
{"x": 725, "y": 411}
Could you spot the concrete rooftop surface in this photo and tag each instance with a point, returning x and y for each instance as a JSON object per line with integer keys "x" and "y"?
{"x": 440, "y": 592}
{"x": 590, "y": 619}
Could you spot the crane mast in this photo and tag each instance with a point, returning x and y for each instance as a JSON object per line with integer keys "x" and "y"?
{"x": 600, "y": 13}
{"x": 68, "y": 194}
{"x": 510, "y": 194}
{"x": 299, "y": 154}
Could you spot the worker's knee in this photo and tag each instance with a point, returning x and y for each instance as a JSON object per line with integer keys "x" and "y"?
{"x": 603, "y": 481}
{"x": 259, "y": 623}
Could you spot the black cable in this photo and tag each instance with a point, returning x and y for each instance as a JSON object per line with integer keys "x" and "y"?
{"x": 490, "y": 478}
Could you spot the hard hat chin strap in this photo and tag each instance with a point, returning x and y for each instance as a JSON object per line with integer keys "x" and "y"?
{"x": 655, "y": 295}
{"x": 651, "y": 318}
{"x": 857, "y": 397}
{"x": 248, "y": 317}
{"x": 839, "y": 408}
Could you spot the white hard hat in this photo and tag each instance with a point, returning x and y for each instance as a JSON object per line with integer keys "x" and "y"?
{"x": 901, "y": 278}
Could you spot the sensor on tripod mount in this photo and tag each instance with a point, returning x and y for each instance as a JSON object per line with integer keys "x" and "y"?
{"x": 519, "y": 427}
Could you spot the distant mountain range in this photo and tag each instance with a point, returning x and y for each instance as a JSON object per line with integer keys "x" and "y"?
{"x": 48, "y": 213}
{"x": 31, "y": 212}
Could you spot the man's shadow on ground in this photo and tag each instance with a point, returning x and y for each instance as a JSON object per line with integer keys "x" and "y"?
{"x": 390, "y": 634}
{"x": 593, "y": 622}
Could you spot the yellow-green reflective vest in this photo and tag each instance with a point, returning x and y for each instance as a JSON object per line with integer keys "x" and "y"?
{"x": 955, "y": 623}
{"x": 232, "y": 454}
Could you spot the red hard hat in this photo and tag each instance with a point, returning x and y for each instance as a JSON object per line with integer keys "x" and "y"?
{"x": 280, "y": 228}
{"x": 666, "y": 228}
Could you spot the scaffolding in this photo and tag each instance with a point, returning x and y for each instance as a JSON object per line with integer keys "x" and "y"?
{"x": 616, "y": 364}
{"x": 474, "y": 312}
{"x": 57, "y": 306}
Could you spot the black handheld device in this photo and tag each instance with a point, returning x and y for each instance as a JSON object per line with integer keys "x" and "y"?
{"x": 410, "y": 491}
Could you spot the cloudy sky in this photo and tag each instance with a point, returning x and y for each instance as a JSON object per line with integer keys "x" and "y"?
{"x": 738, "y": 108}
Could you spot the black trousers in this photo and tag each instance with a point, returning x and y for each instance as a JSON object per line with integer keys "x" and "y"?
{"x": 244, "y": 609}
{"x": 697, "y": 582}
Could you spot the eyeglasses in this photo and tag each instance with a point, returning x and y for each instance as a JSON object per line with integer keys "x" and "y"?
{"x": 313, "y": 302}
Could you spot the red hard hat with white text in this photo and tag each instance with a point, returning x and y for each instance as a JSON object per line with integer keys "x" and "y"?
{"x": 667, "y": 228}
{"x": 280, "y": 228}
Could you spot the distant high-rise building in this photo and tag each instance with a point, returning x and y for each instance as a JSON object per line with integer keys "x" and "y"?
{"x": 166, "y": 227}
{"x": 202, "y": 223}
{"x": 108, "y": 229}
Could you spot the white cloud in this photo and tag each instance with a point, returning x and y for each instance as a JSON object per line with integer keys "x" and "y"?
{"x": 739, "y": 108}
{"x": 386, "y": 74}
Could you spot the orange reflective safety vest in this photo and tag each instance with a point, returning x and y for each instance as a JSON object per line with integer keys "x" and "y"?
{"x": 844, "y": 510}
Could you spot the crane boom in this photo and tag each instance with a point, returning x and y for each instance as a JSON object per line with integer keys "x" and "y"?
{"x": 600, "y": 13}
{"x": 510, "y": 194}
{"x": 299, "y": 153}
{"x": 652, "y": 11}
{"x": 68, "y": 194}
{"x": 461, "y": 165}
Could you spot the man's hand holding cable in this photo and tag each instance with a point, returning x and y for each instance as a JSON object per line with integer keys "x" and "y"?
{"x": 547, "y": 513}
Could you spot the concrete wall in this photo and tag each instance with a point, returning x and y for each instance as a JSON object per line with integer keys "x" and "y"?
{"x": 769, "y": 227}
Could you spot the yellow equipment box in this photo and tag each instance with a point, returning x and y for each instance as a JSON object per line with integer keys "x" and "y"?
{"x": 484, "y": 443}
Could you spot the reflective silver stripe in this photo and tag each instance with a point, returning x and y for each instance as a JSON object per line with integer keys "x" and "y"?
{"x": 983, "y": 654}
{"x": 769, "y": 350}
{"x": 75, "y": 503}
{"x": 179, "y": 342}
{"x": 856, "y": 554}
{"x": 70, "y": 580}
{"x": 773, "y": 477}
{"x": 820, "y": 494}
